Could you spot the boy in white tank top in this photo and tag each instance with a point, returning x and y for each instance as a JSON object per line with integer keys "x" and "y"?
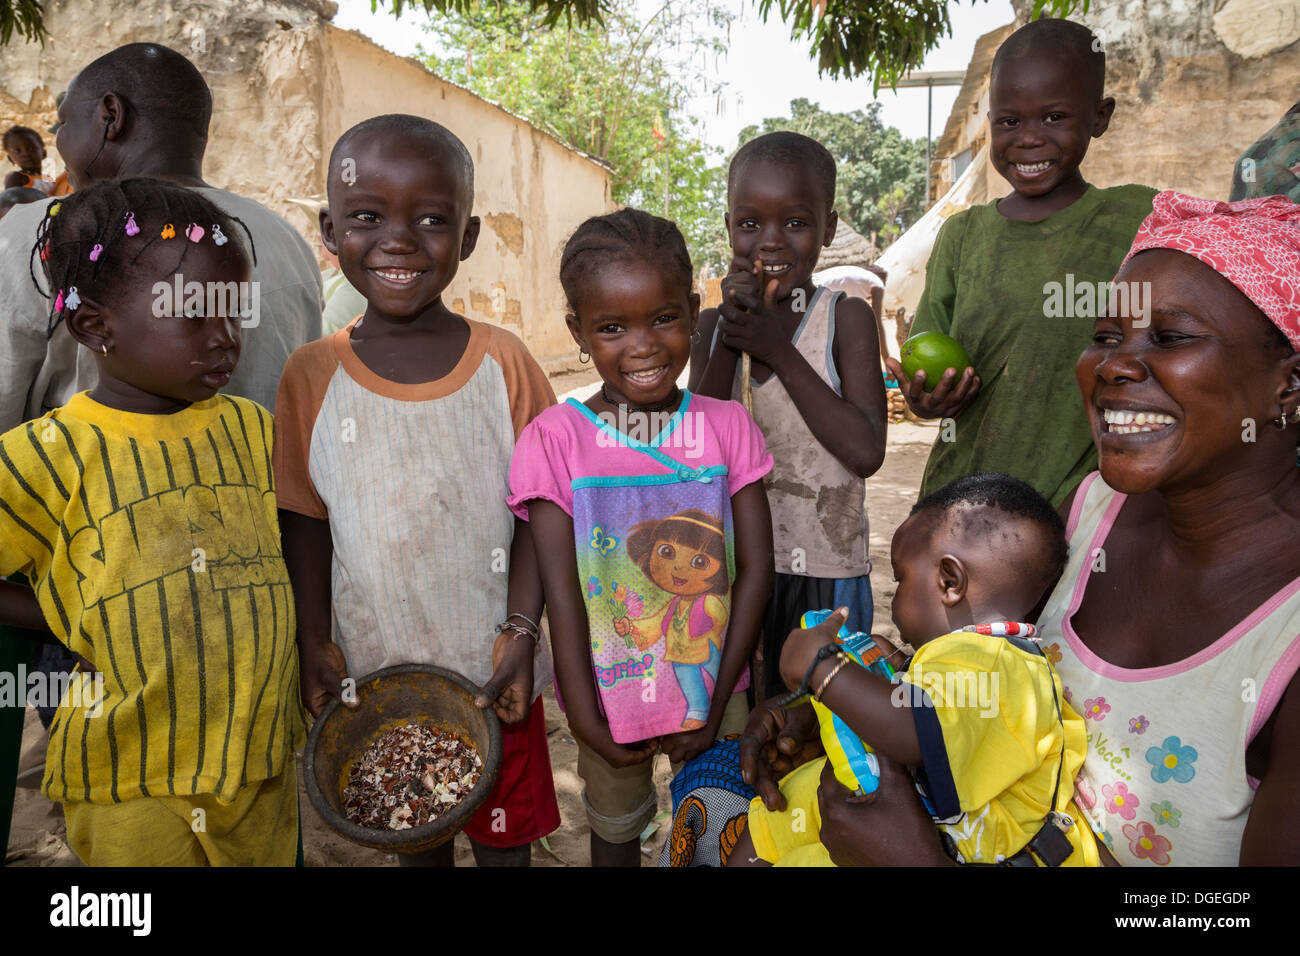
{"x": 817, "y": 394}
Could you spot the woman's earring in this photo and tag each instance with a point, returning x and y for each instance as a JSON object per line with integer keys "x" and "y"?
{"x": 583, "y": 352}
{"x": 104, "y": 348}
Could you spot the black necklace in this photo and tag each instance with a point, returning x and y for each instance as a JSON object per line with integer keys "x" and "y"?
{"x": 663, "y": 406}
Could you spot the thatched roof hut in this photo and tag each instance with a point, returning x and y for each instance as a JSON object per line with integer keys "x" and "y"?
{"x": 848, "y": 249}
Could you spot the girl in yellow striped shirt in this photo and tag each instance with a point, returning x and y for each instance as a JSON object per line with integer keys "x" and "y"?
{"x": 143, "y": 512}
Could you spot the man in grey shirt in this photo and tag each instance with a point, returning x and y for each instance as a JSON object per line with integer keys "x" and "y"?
{"x": 143, "y": 110}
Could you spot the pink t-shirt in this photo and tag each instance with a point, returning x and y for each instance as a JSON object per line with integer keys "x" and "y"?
{"x": 651, "y": 509}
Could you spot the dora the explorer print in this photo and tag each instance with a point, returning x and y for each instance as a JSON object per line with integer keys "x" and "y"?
{"x": 658, "y": 595}
{"x": 685, "y": 557}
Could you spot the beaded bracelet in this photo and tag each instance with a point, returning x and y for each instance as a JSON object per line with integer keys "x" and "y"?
{"x": 531, "y": 628}
{"x": 528, "y": 620}
{"x": 804, "y": 691}
{"x": 843, "y": 659}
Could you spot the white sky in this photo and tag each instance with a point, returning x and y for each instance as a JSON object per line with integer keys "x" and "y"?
{"x": 755, "y": 89}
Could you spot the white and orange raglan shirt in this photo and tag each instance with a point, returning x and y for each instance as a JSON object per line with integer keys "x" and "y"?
{"x": 413, "y": 480}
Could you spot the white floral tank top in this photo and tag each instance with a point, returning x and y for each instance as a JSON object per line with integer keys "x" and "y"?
{"x": 1164, "y": 781}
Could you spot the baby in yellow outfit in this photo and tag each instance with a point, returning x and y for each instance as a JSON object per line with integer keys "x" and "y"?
{"x": 978, "y": 713}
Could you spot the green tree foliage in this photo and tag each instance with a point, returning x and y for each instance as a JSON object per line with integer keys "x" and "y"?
{"x": 616, "y": 90}
{"x": 23, "y": 17}
{"x": 881, "y": 39}
{"x": 880, "y": 185}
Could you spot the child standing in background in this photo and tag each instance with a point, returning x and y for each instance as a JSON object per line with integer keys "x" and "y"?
{"x": 818, "y": 396}
{"x": 393, "y": 444}
{"x": 651, "y": 528}
{"x": 988, "y": 281}
{"x": 26, "y": 150}
{"x": 143, "y": 512}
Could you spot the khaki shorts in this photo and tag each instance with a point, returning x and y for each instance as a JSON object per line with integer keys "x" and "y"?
{"x": 621, "y": 801}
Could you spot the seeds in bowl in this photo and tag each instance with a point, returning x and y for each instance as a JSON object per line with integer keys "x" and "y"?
{"x": 410, "y": 776}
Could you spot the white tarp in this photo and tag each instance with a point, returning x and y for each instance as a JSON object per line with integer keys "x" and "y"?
{"x": 905, "y": 260}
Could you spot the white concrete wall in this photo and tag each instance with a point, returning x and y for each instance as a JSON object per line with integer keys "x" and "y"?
{"x": 530, "y": 191}
{"x": 286, "y": 83}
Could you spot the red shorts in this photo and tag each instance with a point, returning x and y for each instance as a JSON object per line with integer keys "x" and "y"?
{"x": 521, "y": 807}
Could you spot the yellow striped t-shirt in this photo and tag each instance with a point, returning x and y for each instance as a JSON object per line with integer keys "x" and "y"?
{"x": 154, "y": 549}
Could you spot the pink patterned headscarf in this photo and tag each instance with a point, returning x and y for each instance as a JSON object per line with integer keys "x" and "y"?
{"x": 1253, "y": 243}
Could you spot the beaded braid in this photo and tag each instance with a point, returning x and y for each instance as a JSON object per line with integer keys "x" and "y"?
{"x": 97, "y": 216}
{"x": 622, "y": 236}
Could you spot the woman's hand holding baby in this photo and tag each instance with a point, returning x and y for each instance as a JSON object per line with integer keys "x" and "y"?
{"x": 886, "y": 828}
{"x": 776, "y": 741}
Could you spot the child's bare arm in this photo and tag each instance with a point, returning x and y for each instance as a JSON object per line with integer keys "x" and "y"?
{"x": 552, "y": 532}
{"x": 308, "y": 554}
{"x": 860, "y": 698}
{"x": 862, "y": 388}
{"x": 749, "y": 593}
{"x": 851, "y": 426}
{"x": 718, "y": 359}
{"x": 19, "y": 608}
{"x": 510, "y": 687}
{"x": 878, "y": 313}
{"x": 712, "y": 369}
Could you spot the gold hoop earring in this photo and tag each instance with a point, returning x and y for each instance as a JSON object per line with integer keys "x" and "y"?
{"x": 581, "y": 353}
{"x": 104, "y": 347}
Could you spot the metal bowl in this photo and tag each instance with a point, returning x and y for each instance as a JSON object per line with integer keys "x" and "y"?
{"x": 388, "y": 698}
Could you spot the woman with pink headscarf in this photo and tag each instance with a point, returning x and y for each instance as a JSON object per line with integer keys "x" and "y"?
{"x": 1175, "y": 625}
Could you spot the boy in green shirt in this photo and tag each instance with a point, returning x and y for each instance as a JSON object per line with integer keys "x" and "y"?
{"x": 1016, "y": 281}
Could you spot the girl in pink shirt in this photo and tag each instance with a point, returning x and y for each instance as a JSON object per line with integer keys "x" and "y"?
{"x": 651, "y": 527}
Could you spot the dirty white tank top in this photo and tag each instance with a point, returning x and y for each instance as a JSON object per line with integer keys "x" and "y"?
{"x": 1164, "y": 781}
{"x": 819, "y": 513}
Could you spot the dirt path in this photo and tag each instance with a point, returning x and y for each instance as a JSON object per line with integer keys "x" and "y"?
{"x": 37, "y": 834}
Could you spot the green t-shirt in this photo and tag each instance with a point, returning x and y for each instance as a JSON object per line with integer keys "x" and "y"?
{"x": 987, "y": 285}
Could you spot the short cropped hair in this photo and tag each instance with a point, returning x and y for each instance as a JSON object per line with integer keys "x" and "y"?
{"x": 412, "y": 127}
{"x": 788, "y": 149}
{"x": 1059, "y": 39}
{"x": 990, "y": 499}
{"x": 165, "y": 88}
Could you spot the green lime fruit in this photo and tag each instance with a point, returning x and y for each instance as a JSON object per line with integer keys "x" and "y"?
{"x": 935, "y": 353}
